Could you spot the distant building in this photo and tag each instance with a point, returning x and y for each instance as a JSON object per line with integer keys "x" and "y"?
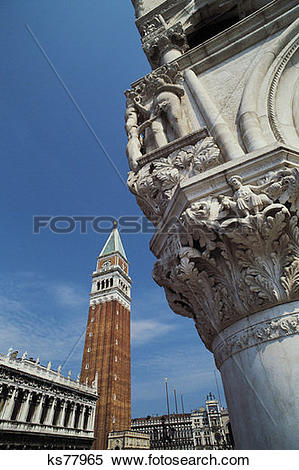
{"x": 107, "y": 349}
{"x": 206, "y": 428}
{"x": 128, "y": 440}
{"x": 41, "y": 409}
{"x": 211, "y": 427}
{"x": 166, "y": 432}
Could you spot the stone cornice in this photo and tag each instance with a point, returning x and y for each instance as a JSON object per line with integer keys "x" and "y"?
{"x": 38, "y": 429}
{"x": 239, "y": 37}
{"x": 39, "y": 374}
{"x": 113, "y": 294}
{"x": 43, "y": 385}
{"x": 114, "y": 268}
{"x": 189, "y": 139}
{"x": 166, "y": 9}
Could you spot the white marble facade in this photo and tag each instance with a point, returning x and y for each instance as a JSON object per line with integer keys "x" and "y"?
{"x": 213, "y": 139}
{"x": 40, "y": 408}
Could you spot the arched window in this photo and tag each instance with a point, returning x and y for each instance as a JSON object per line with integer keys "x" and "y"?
{"x": 99, "y": 285}
{"x": 107, "y": 283}
{"x": 103, "y": 284}
{"x": 111, "y": 282}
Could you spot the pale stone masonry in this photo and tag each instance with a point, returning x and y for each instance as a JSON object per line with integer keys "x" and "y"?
{"x": 42, "y": 409}
{"x": 213, "y": 138}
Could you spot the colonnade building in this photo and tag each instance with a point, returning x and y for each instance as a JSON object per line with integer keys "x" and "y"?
{"x": 42, "y": 409}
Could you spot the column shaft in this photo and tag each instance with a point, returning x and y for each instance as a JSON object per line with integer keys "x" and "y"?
{"x": 215, "y": 122}
{"x": 9, "y": 406}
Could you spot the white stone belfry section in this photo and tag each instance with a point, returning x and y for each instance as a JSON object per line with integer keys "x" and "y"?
{"x": 213, "y": 139}
{"x": 111, "y": 281}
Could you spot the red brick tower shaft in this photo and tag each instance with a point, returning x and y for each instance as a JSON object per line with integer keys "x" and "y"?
{"x": 106, "y": 355}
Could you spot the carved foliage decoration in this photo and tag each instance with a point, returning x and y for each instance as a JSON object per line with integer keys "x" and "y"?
{"x": 155, "y": 183}
{"x": 231, "y": 256}
{"x": 257, "y": 334}
{"x": 157, "y": 41}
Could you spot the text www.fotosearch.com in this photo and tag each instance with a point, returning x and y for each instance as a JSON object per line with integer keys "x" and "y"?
{"x": 156, "y": 460}
{"x": 149, "y": 460}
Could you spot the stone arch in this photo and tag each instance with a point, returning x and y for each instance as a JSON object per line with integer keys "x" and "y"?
{"x": 261, "y": 115}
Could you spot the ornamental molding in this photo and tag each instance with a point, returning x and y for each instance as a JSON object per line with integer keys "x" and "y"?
{"x": 273, "y": 92}
{"x": 166, "y": 8}
{"x": 263, "y": 332}
{"x": 156, "y": 182}
{"x": 97, "y": 299}
{"x": 37, "y": 378}
{"x": 234, "y": 254}
{"x": 178, "y": 144}
{"x": 272, "y": 96}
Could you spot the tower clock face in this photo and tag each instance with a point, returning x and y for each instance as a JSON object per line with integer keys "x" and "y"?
{"x": 213, "y": 408}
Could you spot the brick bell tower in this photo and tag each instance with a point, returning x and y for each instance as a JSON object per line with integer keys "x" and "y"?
{"x": 107, "y": 352}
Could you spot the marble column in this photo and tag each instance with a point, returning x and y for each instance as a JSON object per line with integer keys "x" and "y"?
{"x": 51, "y": 411}
{"x": 217, "y": 125}
{"x": 39, "y": 409}
{"x": 258, "y": 357}
{"x": 72, "y": 416}
{"x": 60, "y": 421}
{"x": 91, "y": 420}
{"x": 89, "y": 425}
{"x": 23, "y": 413}
{"x": 9, "y": 404}
{"x": 81, "y": 417}
{"x": 234, "y": 269}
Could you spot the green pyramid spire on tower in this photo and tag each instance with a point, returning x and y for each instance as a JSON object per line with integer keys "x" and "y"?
{"x": 113, "y": 244}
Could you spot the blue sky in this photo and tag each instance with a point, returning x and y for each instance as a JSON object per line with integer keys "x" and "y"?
{"x": 53, "y": 165}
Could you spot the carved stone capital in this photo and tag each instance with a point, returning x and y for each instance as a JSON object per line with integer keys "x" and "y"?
{"x": 157, "y": 40}
{"x": 231, "y": 255}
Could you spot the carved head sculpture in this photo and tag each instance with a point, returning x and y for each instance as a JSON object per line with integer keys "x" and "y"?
{"x": 235, "y": 182}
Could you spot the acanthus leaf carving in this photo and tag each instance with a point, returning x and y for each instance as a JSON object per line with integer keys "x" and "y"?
{"x": 155, "y": 183}
{"x": 158, "y": 39}
{"x": 238, "y": 254}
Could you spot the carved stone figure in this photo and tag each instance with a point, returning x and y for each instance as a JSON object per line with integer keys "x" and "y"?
{"x": 248, "y": 198}
{"x": 10, "y": 350}
{"x": 24, "y": 356}
{"x": 154, "y": 108}
{"x": 166, "y": 106}
{"x": 133, "y": 132}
